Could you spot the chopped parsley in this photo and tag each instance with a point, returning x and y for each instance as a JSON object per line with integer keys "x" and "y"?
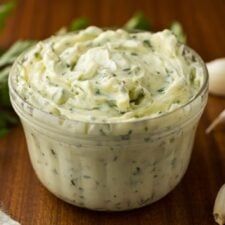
{"x": 161, "y": 90}
{"x": 147, "y": 43}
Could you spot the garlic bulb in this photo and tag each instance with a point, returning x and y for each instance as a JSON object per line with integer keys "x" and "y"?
{"x": 216, "y": 70}
{"x": 219, "y": 207}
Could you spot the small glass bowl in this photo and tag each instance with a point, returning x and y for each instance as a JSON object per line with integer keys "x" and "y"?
{"x": 110, "y": 166}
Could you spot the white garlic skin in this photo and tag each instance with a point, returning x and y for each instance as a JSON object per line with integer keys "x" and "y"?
{"x": 6, "y": 219}
{"x": 216, "y": 70}
{"x": 219, "y": 207}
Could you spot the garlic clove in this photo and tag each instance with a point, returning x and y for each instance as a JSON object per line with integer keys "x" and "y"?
{"x": 6, "y": 220}
{"x": 219, "y": 119}
{"x": 216, "y": 70}
{"x": 219, "y": 207}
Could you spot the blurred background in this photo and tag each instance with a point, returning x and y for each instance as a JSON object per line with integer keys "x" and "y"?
{"x": 203, "y": 20}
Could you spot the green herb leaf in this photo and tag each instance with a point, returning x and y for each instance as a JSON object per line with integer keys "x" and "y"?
{"x": 6, "y": 61}
{"x": 5, "y": 10}
{"x": 3, "y": 131}
{"x": 138, "y": 21}
{"x": 4, "y": 90}
{"x": 78, "y": 24}
{"x": 177, "y": 29}
{"x": 7, "y": 119}
{"x": 14, "y": 51}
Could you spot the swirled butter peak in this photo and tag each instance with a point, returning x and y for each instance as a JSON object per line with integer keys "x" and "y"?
{"x": 108, "y": 75}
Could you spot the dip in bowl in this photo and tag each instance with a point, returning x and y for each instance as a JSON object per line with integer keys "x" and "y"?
{"x": 109, "y": 116}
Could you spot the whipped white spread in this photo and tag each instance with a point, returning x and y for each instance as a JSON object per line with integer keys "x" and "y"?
{"x": 112, "y": 75}
{"x": 107, "y": 76}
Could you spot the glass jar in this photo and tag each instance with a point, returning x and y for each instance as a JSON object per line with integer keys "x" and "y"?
{"x": 110, "y": 166}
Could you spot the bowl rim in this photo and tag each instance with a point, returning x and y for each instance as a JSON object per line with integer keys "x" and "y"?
{"x": 203, "y": 87}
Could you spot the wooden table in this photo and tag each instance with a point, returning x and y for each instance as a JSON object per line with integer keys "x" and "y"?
{"x": 22, "y": 195}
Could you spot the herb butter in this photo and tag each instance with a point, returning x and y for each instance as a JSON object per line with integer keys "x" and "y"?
{"x": 109, "y": 75}
{"x": 98, "y": 111}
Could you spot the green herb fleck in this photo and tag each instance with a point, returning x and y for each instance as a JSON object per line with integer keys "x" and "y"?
{"x": 161, "y": 90}
{"x": 126, "y": 136}
{"x": 139, "y": 98}
{"x": 192, "y": 76}
{"x": 193, "y": 58}
{"x": 102, "y": 132}
{"x": 126, "y": 69}
{"x": 37, "y": 55}
{"x": 173, "y": 162}
{"x": 73, "y": 182}
{"x": 53, "y": 152}
{"x": 97, "y": 92}
{"x": 73, "y": 66}
{"x": 137, "y": 171}
{"x": 55, "y": 171}
{"x": 147, "y": 43}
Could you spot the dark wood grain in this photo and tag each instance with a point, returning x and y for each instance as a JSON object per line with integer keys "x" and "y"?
{"x": 22, "y": 195}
